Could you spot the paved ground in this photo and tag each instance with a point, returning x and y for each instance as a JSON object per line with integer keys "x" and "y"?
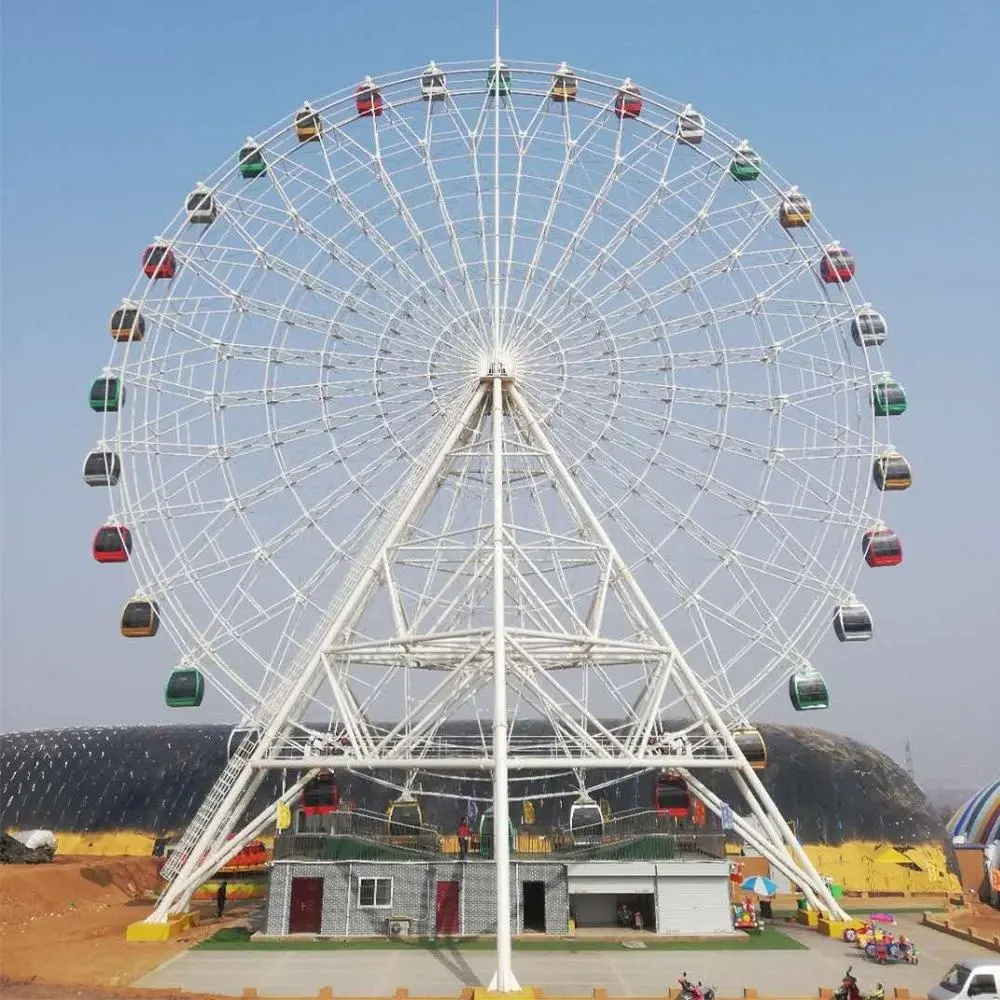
{"x": 624, "y": 973}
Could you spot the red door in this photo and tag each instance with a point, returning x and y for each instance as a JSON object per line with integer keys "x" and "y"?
{"x": 305, "y": 912}
{"x": 447, "y": 908}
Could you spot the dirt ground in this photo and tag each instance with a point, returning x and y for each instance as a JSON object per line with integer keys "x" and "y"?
{"x": 983, "y": 918}
{"x": 64, "y": 924}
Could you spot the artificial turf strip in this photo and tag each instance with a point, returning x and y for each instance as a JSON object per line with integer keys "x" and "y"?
{"x": 766, "y": 940}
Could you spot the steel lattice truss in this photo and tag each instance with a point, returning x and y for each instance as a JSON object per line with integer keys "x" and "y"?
{"x": 670, "y": 337}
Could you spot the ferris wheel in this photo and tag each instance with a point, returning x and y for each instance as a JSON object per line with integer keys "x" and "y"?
{"x": 499, "y": 392}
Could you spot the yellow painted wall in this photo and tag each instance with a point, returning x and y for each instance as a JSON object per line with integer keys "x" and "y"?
{"x": 853, "y": 866}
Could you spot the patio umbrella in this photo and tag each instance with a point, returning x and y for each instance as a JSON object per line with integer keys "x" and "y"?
{"x": 882, "y": 918}
{"x": 759, "y": 884}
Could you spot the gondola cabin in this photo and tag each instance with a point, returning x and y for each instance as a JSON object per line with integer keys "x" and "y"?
{"x": 882, "y": 547}
{"x": 127, "y": 323}
{"x": 868, "y": 328}
{"x": 745, "y": 165}
{"x": 185, "y": 688}
{"x": 752, "y": 746}
{"x": 628, "y": 101}
{"x": 563, "y": 85}
{"x": 102, "y": 468}
{"x": 242, "y": 740}
{"x": 852, "y": 623}
{"x": 807, "y": 690}
{"x": 671, "y": 796}
{"x": 321, "y": 795}
{"x": 308, "y": 125}
{"x": 107, "y": 394}
{"x": 690, "y": 127}
{"x": 159, "y": 262}
{"x": 796, "y": 209}
{"x": 201, "y": 207}
{"x": 891, "y": 471}
{"x": 433, "y": 84}
{"x": 404, "y": 816}
{"x": 140, "y": 619}
{"x": 486, "y": 825}
{"x": 837, "y": 265}
{"x": 586, "y": 822}
{"x": 112, "y": 544}
{"x": 888, "y": 398}
{"x": 498, "y": 81}
{"x": 251, "y": 160}
{"x": 368, "y": 100}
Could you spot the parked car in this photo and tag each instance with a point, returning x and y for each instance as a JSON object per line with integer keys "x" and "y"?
{"x": 973, "y": 978}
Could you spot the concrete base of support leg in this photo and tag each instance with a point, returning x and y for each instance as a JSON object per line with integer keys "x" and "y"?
{"x": 174, "y": 926}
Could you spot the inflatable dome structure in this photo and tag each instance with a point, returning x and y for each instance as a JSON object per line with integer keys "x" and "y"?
{"x": 977, "y": 823}
{"x": 152, "y": 779}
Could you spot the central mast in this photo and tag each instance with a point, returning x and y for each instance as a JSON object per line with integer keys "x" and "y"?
{"x": 503, "y": 979}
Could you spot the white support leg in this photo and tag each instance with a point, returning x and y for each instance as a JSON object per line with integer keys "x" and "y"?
{"x": 699, "y": 702}
{"x": 240, "y": 780}
{"x": 503, "y": 979}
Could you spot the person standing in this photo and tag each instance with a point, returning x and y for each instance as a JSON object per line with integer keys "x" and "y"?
{"x": 464, "y": 833}
{"x": 220, "y": 898}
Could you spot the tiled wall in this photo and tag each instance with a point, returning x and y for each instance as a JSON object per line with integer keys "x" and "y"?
{"x": 414, "y": 895}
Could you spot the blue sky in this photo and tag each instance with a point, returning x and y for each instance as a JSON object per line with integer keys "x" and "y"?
{"x": 885, "y": 112}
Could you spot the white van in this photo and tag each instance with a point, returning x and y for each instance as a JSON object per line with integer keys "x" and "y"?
{"x": 972, "y": 978}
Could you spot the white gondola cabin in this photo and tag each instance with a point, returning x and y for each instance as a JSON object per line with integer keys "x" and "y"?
{"x": 102, "y": 468}
{"x": 852, "y": 622}
{"x": 868, "y": 328}
{"x": 201, "y": 207}
{"x": 433, "y": 84}
{"x": 690, "y": 127}
{"x": 586, "y": 821}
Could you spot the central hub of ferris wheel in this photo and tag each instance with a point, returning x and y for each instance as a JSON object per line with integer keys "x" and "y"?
{"x": 501, "y": 368}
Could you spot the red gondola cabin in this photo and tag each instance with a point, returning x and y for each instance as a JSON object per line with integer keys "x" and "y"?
{"x": 671, "y": 796}
{"x": 158, "y": 261}
{"x": 837, "y": 265}
{"x": 882, "y": 547}
{"x": 628, "y": 103}
{"x": 112, "y": 543}
{"x": 368, "y": 100}
{"x": 321, "y": 795}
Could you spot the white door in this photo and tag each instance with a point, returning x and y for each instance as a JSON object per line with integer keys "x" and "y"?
{"x": 694, "y": 904}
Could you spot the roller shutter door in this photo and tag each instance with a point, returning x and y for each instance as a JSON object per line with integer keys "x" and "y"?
{"x": 694, "y": 904}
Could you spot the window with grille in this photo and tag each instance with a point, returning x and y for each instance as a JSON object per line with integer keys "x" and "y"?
{"x": 374, "y": 892}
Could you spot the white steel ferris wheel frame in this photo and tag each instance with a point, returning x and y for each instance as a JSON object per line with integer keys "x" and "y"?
{"x": 495, "y": 423}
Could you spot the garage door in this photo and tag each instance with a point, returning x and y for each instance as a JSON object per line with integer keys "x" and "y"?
{"x": 594, "y": 909}
{"x": 694, "y": 905}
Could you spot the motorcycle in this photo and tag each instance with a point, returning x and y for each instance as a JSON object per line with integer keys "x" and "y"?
{"x": 849, "y": 989}
{"x": 692, "y": 991}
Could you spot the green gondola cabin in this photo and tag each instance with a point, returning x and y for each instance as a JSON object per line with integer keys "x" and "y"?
{"x": 107, "y": 394}
{"x": 251, "y": 160}
{"x": 888, "y": 399}
{"x": 185, "y": 688}
{"x": 807, "y": 690}
{"x": 498, "y": 81}
{"x": 745, "y": 165}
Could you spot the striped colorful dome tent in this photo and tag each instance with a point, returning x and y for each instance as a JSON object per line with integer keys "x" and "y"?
{"x": 978, "y": 821}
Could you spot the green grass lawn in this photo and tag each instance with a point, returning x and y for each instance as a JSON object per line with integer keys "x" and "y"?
{"x": 767, "y": 940}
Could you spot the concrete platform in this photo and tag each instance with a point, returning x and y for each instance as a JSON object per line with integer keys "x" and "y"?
{"x": 622, "y": 973}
